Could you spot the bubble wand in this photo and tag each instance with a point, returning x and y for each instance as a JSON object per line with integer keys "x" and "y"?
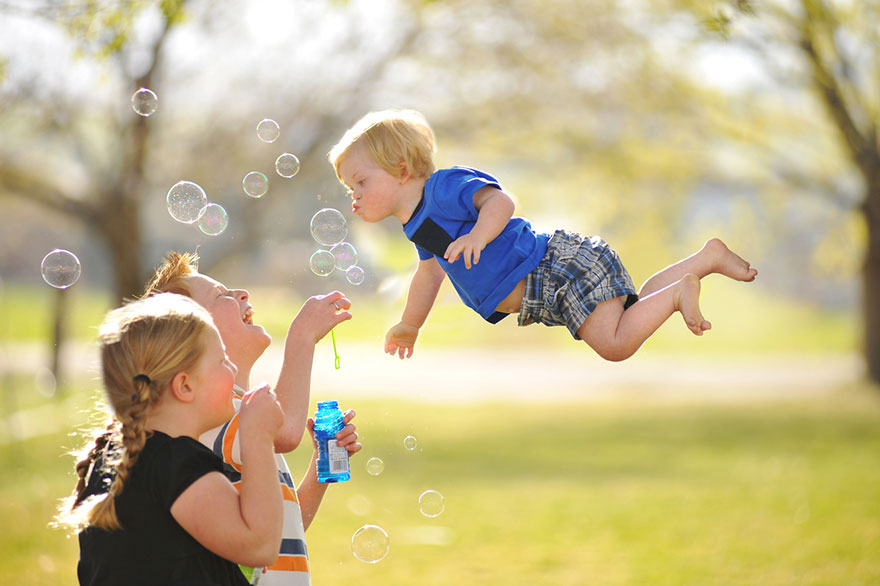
{"x": 335, "y": 353}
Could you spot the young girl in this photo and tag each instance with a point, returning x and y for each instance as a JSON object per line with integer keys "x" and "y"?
{"x": 152, "y": 505}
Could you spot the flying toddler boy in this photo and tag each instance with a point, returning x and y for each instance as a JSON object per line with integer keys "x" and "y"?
{"x": 386, "y": 160}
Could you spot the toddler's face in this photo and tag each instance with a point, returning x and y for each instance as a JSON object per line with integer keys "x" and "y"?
{"x": 374, "y": 191}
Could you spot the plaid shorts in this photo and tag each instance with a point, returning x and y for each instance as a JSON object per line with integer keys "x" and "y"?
{"x": 575, "y": 275}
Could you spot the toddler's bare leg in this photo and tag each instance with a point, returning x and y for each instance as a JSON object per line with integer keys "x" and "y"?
{"x": 616, "y": 334}
{"x": 714, "y": 257}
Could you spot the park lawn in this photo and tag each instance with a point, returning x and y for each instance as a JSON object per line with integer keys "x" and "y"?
{"x": 745, "y": 320}
{"x": 557, "y": 493}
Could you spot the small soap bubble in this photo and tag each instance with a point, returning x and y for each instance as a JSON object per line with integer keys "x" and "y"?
{"x": 345, "y": 254}
{"x": 287, "y": 165}
{"x": 328, "y": 227}
{"x": 370, "y": 544}
{"x": 255, "y": 184}
{"x": 322, "y": 263}
{"x": 186, "y": 201}
{"x": 431, "y": 503}
{"x": 144, "y": 102}
{"x": 214, "y": 220}
{"x": 355, "y": 275}
{"x": 375, "y": 466}
{"x": 410, "y": 443}
{"x": 268, "y": 130}
{"x": 60, "y": 268}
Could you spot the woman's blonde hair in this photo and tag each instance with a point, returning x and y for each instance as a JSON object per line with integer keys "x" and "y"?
{"x": 144, "y": 344}
{"x": 391, "y": 137}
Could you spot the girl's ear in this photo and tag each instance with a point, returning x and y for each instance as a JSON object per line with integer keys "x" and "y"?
{"x": 181, "y": 389}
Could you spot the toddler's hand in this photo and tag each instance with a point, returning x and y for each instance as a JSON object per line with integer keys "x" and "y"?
{"x": 347, "y": 436}
{"x": 320, "y": 314}
{"x": 400, "y": 339}
{"x": 261, "y": 415}
{"x": 469, "y": 246}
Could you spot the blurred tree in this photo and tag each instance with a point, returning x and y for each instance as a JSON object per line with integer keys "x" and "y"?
{"x": 110, "y": 159}
{"x": 833, "y": 50}
{"x": 108, "y": 199}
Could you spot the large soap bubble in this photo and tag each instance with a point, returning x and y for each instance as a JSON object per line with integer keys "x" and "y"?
{"x": 255, "y": 184}
{"x": 345, "y": 254}
{"x": 186, "y": 201}
{"x": 328, "y": 227}
{"x": 355, "y": 275}
{"x": 287, "y": 165}
{"x": 322, "y": 263}
{"x": 431, "y": 503}
{"x": 60, "y": 268}
{"x": 268, "y": 130}
{"x": 370, "y": 544}
{"x": 144, "y": 102}
{"x": 375, "y": 466}
{"x": 214, "y": 220}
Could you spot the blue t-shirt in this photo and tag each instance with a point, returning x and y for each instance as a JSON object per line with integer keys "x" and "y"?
{"x": 447, "y": 212}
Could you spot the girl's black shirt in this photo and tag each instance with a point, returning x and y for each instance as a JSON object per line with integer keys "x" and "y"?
{"x": 152, "y": 549}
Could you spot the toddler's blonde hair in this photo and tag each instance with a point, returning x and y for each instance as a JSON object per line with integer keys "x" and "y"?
{"x": 391, "y": 137}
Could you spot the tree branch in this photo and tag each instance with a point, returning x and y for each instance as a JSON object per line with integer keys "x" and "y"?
{"x": 34, "y": 187}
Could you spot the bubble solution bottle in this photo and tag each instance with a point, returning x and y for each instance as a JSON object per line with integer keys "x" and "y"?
{"x": 332, "y": 459}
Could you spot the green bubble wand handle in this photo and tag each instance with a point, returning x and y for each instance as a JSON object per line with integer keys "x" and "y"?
{"x": 335, "y": 353}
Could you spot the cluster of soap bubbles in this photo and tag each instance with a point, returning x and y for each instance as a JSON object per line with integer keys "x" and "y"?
{"x": 60, "y": 268}
{"x": 370, "y": 543}
{"x": 256, "y": 184}
{"x": 329, "y": 228}
{"x": 188, "y": 203}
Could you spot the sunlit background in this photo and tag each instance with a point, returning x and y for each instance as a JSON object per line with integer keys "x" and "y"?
{"x": 746, "y": 456}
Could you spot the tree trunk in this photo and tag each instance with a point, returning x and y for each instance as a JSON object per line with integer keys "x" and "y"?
{"x": 58, "y": 337}
{"x": 121, "y": 231}
{"x": 871, "y": 279}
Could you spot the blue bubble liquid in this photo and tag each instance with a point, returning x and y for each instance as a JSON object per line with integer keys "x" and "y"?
{"x": 332, "y": 459}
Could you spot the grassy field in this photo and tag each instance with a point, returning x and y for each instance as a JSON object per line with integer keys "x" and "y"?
{"x": 745, "y": 319}
{"x": 556, "y": 494}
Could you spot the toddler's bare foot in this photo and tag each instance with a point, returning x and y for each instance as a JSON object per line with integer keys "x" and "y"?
{"x": 728, "y": 263}
{"x": 687, "y": 301}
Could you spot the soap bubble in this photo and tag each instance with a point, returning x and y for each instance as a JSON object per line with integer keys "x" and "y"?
{"x": 255, "y": 184}
{"x": 322, "y": 263}
{"x": 355, "y": 275}
{"x": 370, "y": 544}
{"x": 345, "y": 254}
{"x": 410, "y": 443}
{"x": 431, "y": 503}
{"x": 268, "y": 130}
{"x": 60, "y": 268}
{"x": 186, "y": 201}
{"x": 328, "y": 227}
{"x": 375, "y": 466}
{"x": 214, "y": 220}
{"x": 144, "y": 102}
{"x": 287, "y": 165}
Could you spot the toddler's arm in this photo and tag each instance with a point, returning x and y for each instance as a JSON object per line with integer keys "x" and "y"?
{"x": 244, "y": 528}
{"x": 495, "y": 209}
{"x": 316, "y": 318}
{"x": 423, "y": 290}
{"x": 310, "y": 492}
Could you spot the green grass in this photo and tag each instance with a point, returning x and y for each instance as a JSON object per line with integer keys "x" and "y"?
{"x": 556, "y": 494}
{"x": 745, "y": 320}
